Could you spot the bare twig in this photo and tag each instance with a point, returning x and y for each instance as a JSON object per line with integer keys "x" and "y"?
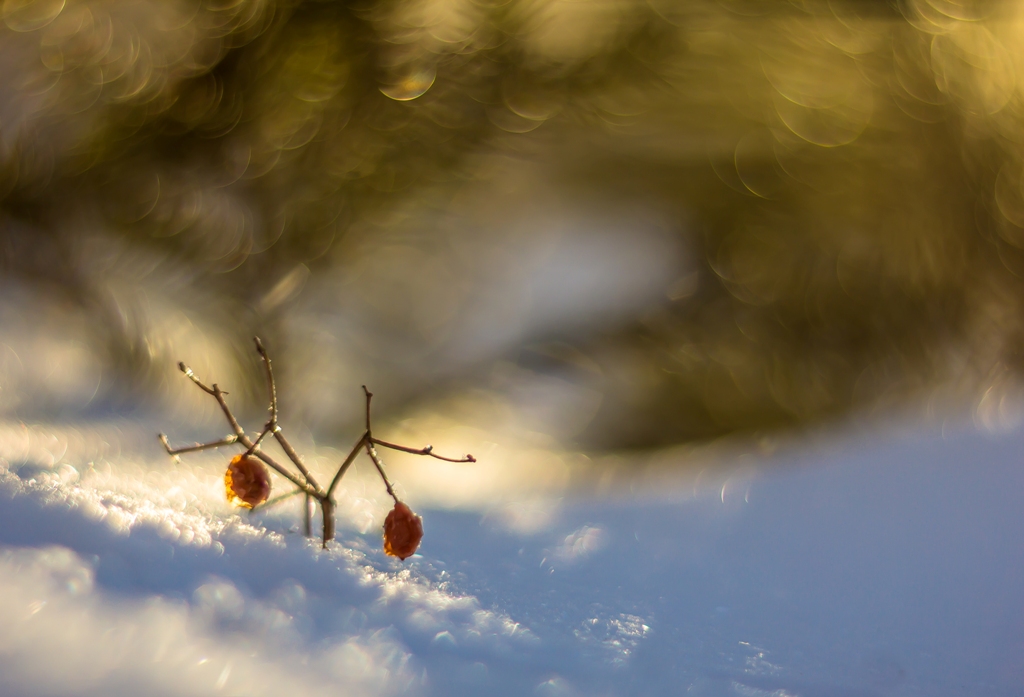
{"x": 294, "y": 457}
{"x": 276, "y": 500}
{"x": 192, "y": 376}
{"x": 307, "y": 516}
{"x": 380, "y": 469}
{"x": 429, "y": 451}
{"x": 304, "y": 482}
{"x": 270, "y": 379}
{"x": 272, "y": 424}
{"x": 218, "y": 394}
{"x": 345, "y": 465}
{"x": 229, "y": 440}
{"x": 256, "y": 443}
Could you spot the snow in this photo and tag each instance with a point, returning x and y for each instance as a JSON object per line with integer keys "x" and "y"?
{"x": 864, "y": 565}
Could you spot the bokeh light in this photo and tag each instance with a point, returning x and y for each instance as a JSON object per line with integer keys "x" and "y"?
{"x": 598, "y": 226}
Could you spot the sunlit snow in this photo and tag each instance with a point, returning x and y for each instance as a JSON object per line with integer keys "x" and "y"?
{"x": 854, "y": 568}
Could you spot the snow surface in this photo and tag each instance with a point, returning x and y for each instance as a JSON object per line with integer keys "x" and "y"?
{"x": 858, "y": 569}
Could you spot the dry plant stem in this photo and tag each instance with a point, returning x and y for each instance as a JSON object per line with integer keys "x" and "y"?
{"x": 368, "y": 442}
{"x": 307, "y": 516}
{"x": 309, "y": 486}
{"x": 256, "y": 443}
{"x": 380, "y": 469}
{"x": 276, "y": 500}
{"x": 345, "y": 465}
{"x": 272, "y": 424}
{"x": 218, "y": 394}
{"x": 307, "y": 508}
{"x": 429, "y": 451}
{"x": 305, "y": 484}
{"x": 311, "y": 490}
{"x": 229, "y": 440}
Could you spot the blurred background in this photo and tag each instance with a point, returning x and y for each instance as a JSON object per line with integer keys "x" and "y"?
{"x": 568, "y": 236}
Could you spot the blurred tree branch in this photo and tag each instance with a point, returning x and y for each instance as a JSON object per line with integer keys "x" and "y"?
{"x": 844, "y": 176}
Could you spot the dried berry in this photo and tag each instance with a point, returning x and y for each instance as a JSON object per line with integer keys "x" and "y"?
{"x": 246, "y": 483}
{"x": 403, "y": 531}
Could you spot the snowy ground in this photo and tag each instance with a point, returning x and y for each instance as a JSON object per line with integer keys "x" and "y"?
{"x": 856, "y": 569}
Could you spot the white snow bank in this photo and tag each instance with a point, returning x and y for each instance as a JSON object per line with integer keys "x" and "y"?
{"x": 861, "y": 569}
{"x": 154, "y": 589}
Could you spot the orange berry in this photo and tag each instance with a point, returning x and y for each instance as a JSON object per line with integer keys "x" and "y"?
{"x": 246, "y": 482}
{"x": 403, "y": 531}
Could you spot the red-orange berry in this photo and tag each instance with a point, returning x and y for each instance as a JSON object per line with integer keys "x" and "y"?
{"x": 403, "y": 531}
{"x": 246, "y": 482}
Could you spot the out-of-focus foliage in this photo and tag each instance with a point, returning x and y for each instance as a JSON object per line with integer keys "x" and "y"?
{"x": 642, "y": 222}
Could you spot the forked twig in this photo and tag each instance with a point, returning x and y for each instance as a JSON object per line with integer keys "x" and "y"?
{"x": 428, "y": 450}
{"x": 272, "y": 423}
{"x": 345, "y": 465}
{"x": 249, "y": 444}
{"x": 304, "y": 481}
{"x": 372, "y": 452}
{"x": 230, "y": 440}
{"x": 276, "y": 500}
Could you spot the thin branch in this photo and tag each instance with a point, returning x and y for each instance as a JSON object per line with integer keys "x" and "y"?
{"x": 294, "y": 457}
{"x": 256, "y": 443}
{"x": 272, "y": 464}
{"x": 429, "y": 451}
{"x": 218, "y": 394}
{"x": 305, "y": 484}
{"x": 368, "y": 443}
{"x": 192, "y": 376}
{"x": 380, "y": 468}
{"x": 167, "y": 446}
{"x": 270, "y": 379}
{"x": 307, "y": 510}
{"x": 229, "y": 440}
{"x": 348, "y": 461}
{"x": 272, "y": 424}
{"x": 277, "y": 499}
